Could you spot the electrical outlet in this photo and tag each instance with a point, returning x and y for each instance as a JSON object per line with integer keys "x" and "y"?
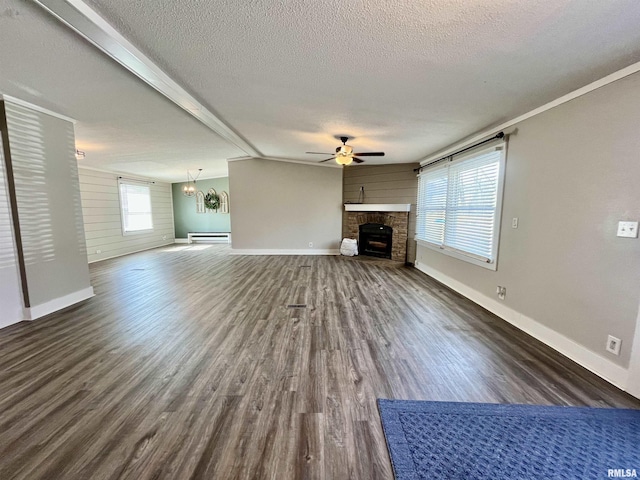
{"x": 501, "y": 291}
{"x": 628, "y": 229}
{"x": 514, "y": 222}
{"x": 613, "y": 345}
{"x": 164, "y": 237}
{"x": 98, "y": 251}
{"x": 310, "y": 244}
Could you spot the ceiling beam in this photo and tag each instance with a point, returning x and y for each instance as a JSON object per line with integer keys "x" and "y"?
{"x": 86, "y": 22}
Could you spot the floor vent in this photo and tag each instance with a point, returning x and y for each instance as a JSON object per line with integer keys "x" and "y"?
{"x": 297, "y": 305}
{"x": 305, "y": 266}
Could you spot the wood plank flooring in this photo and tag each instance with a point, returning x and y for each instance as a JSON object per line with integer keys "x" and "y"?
{"x": 188, "y": 364}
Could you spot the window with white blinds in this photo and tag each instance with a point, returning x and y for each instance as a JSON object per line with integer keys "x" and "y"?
{"x": 458, "y": 209}
{"x": 135, "y": 203}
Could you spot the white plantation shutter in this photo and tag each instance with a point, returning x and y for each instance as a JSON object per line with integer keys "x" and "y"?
{"x": 135, "y": 200}
{"x": 458, "y": 208}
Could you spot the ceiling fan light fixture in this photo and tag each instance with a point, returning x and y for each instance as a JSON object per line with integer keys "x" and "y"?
{"x": 345, "y": 155}
{"x": 344, "y": 159}
{"x": 346, "y": 150}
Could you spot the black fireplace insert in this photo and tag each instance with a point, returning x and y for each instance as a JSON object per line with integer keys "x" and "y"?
{"x": 375, "y": 240}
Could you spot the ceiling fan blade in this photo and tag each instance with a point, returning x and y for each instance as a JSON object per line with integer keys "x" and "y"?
{"x": 357, "y": 160}
{"x": 319, "y": 153}
{"x": 326, "y": 159}
{"x": 370, "y": 154}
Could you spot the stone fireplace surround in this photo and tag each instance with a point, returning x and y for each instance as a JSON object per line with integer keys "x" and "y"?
{"x": 398, "y": 220}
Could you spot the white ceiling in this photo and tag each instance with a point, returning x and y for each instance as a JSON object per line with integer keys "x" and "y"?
{"x": 406, "y": 77}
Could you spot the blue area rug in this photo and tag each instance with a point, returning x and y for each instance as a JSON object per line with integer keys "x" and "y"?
{"x": 456, "y": 441}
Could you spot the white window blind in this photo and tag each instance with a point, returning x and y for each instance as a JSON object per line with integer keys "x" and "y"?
{"x": 135, "y": 200}
{"x": 458, "y": 207}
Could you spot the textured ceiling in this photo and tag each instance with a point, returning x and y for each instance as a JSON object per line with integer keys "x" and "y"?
{"x": 406, "y": 77}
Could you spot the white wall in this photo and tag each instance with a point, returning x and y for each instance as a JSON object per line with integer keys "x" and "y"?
{"x": 572, "y": 173}
{"x": 281, "y": 207}
{"x": 102, "y": 217}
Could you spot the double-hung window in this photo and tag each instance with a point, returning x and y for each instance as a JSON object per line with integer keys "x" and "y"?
{"x": 459, "y": 203}
{"x": 135, "y": 205}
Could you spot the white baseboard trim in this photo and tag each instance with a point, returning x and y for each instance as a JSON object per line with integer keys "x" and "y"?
{"x": 305, "y": 251}
{"x": 170, "y": 242}
{"x": 181, "y": 240}
{"x": 56, "y": 304}
{"x": 601, "y": 366}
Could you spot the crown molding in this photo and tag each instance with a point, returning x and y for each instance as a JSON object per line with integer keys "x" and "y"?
{"x": 130, "y": 176}
{"x": 240, "y": 159}
{"x": 207, "y": 178}
{"x": 22, "y": 103}
{"x": 284, "y": 160}
{"x": 302, "y": 162}
{"x": 615, "y": 76}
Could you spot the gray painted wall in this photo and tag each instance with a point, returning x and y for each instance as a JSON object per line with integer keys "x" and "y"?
{"x": 184, "y": 209}
{"x": 102, "y": 217}
{"x": 48, "y": 204}
{"x": 572, "y": 173}
{"x": 384, "y": 184}
{"x": 284, "y": 206}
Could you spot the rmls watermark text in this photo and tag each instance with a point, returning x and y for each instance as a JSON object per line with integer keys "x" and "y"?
{"x": 622, "y": 473}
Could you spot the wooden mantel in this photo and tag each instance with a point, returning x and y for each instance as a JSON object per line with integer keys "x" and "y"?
{"x": 377, "y": 207}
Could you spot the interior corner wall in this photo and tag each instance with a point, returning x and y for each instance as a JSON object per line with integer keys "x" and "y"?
{"x": 284, "y": 206}
{"x": 10, "y": 283}
{"x": 103, "y": 221}
{"x": 187, "y": 219}
{"x": 47, "y": 221}
{"x": 392, "y": 183}
{"x": 633, "y": 382}
{"x": 571, "y": 174}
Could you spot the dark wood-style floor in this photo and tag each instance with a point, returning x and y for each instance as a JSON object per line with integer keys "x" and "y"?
{"x": 188, "y": 364}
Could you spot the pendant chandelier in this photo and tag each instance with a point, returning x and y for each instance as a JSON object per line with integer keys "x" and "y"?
{"x": 189, "y": 188}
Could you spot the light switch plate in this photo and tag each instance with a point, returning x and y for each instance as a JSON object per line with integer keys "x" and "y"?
{"x": 613, "y": 345}
{"x": 514, "y": 222}
{"x": 628, "y": 229}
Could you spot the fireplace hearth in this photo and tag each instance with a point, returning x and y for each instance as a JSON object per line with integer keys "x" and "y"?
{"x": 376, "y": 240}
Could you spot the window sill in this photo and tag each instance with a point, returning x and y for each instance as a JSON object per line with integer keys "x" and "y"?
{"x": 137, "y": 232}
{"x": 460, "y": 256}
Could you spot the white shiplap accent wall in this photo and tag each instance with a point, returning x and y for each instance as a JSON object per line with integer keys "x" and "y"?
{"x": 102, "y": 222}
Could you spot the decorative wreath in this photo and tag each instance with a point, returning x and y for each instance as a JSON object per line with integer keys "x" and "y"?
{"x": 212, "y": 201}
